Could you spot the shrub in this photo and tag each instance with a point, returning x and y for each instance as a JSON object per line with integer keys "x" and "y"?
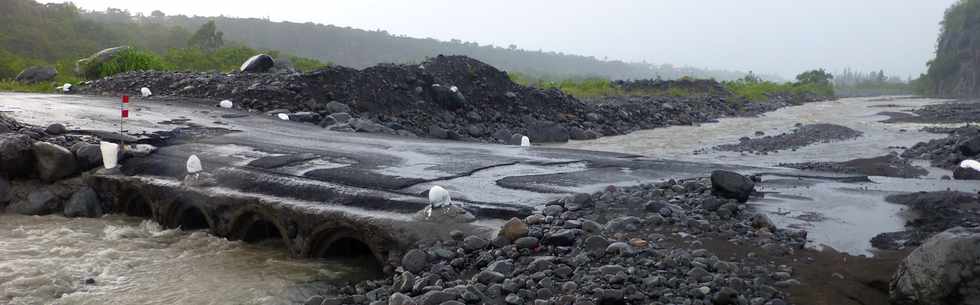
{"x": 125, "y": 61}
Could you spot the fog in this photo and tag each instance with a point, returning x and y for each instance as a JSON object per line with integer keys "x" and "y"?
{"x": 766, "y": 36}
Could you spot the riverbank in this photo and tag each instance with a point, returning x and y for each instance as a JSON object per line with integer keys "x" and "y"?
{"x": 446, "y": 97}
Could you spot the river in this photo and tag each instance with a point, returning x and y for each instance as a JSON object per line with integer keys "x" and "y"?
{"x": 47, "y": 260}
{"x": 844, "y": 216}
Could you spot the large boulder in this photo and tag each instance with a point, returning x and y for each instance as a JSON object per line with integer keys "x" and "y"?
{"x": 82, "y": 66}
{"x": 53, "y": 162}
{"x": 258, "y": 64}
{"x": 944, "y": 270}
{"x": 87, "y": 156}
{"x": 16, "y": 155}
{"x": 39, "y": 202}
{"x": 731, "y": 185}
{"x": 84, "y": 203}
{"x": 965, "y": 174}
{"x": 447, "y": 97}
{"x": 971, "y": 147}
{"x": 36, "y": 74}
{"x": 547, "y": 132}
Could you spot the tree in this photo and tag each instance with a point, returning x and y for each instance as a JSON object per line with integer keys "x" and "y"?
{"x": 158, "y": 14}
{"x": 819, "y": 77}
{"x": 207, "y": 38}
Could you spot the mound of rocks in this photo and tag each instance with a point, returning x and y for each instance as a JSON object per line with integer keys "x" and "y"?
{"x": 962, "y": 143}
{"x": 886, "y": 166}
{"x": 944, "y": 270}
{"x": 933, "y": 212}
{"x": 446, "y": 97}
{"x": 800, "y": 137}
{"x": 636, "y": 245}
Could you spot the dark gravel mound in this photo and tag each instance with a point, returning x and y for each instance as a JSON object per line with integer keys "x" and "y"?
{"x": 637, "y": 245}
{"x": 931, "y": 213}
{"x": 962, "y": 143}
{"x": 449, "y": 97}
{"x": 886, "y": 166}
{"x": 951, "y": 112}
{"x": 800, "y": 137}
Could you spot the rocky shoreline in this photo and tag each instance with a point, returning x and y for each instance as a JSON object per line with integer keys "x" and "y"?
{"x": 636, "y": 245}
{"x": 886, "y": 166}
{"x": 446, "y": 97}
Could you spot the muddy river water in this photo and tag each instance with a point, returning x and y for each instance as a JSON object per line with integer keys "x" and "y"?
{"x": 844, "y": 216}
{"x": 122, "y": 260}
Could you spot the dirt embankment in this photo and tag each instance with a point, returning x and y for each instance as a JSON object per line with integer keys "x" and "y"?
{"x": 447, "y": 97}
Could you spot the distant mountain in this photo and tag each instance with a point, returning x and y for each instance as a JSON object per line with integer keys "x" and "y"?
{"x": 360, "y": 48}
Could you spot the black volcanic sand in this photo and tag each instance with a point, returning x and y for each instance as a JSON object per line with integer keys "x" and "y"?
{"x": 886, "y": 166}
{"x": 930, "y": 213}
{"x": 946, "y": 113}
{"x": 802, "y": 136}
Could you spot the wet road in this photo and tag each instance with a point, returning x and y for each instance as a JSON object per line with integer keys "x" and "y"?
{"x": 500, "y": 176}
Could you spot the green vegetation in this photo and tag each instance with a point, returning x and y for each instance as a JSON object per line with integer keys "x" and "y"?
{"x": 125, "y": 61}
{"x": 58, "y": 35}
{"x": 579, "y": 87}
{"x": 849, "y": 83}
{"x": 814, "y": 83}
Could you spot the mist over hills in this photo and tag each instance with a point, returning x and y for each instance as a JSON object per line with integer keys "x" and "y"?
{"x": 362, "y": 48}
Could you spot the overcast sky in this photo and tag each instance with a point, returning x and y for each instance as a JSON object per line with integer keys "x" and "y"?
{"x": 782, "y": 37}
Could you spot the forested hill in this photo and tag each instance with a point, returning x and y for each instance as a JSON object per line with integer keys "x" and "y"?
{"x": 59, "y": 33}
{"x": 955, "y": 72}
{"x": 360, "y": 48}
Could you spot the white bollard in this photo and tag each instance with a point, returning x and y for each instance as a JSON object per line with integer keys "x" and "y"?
{"x": 525, "y": 141}
{"x": 110, "y": 154}
{"x": 194, "y": 165}
{"x": 145, "y": 92}
{"x": 284, "y": 117}
{"x": 226, "y": 104}
{"x": 438, "y": 198}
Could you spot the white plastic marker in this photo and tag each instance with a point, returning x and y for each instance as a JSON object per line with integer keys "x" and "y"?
{"x": 194, "y": 165}
{"x": 438, "y": 198}
{"x": 66, "y": 87}
{"x": 110, "y": 154}
{"x": 226, "y": 104}
{"x": 972, "y": 164}
{"x": 284, "y": 117}
{"x": 525, "y": 141}
{"x": 145, "y": 92}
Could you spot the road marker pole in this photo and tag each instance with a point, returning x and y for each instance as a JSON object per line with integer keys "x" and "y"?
{"x": 123, "y": 117}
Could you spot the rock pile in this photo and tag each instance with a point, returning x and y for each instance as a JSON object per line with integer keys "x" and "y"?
{"x": 637, "y": 245}
{"x": 40, "y": 168}
{"x": 962, "y": 143}
{"x": 801, "y": 136}
{"x": 446, "y": 97}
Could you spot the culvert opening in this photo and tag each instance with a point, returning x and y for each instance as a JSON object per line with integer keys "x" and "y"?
{"x": 191, "y": 219}
{"x": 137, "y": 206}
{"x": 349, "y": 251}
{"x": 261, "y": 231}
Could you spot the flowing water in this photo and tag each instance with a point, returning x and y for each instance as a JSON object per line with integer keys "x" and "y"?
{"x": 47, "y": 260}
{"x": 844, "y": 216}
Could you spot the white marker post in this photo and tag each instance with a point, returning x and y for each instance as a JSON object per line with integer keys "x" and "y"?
{"x": 123, "y": 117}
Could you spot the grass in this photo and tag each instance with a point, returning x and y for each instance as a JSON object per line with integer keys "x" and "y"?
{"x": 760, "y": 91}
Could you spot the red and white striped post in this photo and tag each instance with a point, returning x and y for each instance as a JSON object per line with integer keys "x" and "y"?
{"x": 124, "y": 112}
